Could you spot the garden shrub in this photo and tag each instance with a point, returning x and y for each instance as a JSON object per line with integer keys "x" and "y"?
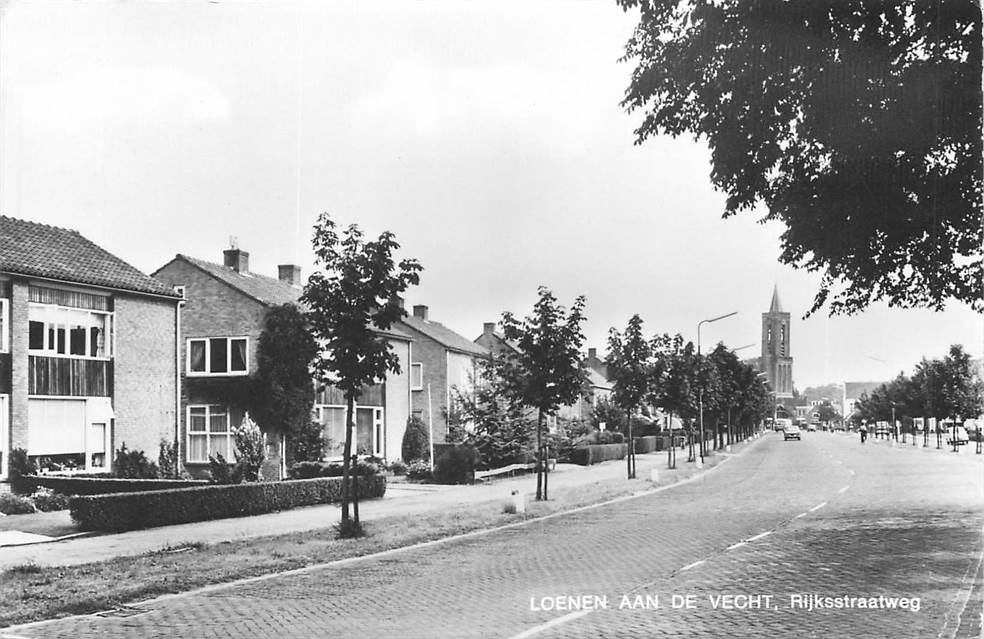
{"x": 135, "y": 511}
{"x": 22, "y": 468}
{"x": 133, "y": 464}
{"x": 47, "y": 500}
{"x": 13, "y": 504}
{"x": 419, "y": 469}
{"x": 456, "y": 465}
{"x": 416, "y": 440}
{"x": 645, "y": 444}
{"x": 308, "y": 469}
{"x": 167, "y": 459}
{"x": 221, "y": 471}
{"x": 250, "y": 449}
{"x": 89, "y": 485}
{"x": 397, "y": 467}
{"x": 596, "y": 453}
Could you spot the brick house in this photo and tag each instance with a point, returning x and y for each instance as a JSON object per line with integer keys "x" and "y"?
{"x": 88, "y": 351}
{"x": 442, "y": 360}
{"x": 221, "y": 323}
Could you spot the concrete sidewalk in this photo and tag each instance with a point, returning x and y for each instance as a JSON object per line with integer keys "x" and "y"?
{"x": 400, "y": 499}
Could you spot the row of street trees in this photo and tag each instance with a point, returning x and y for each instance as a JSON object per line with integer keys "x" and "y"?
{"x": 667, "y": 373}
{"x": 950, "y": 388}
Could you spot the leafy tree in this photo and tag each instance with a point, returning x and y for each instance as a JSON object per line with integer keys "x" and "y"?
{"x": 283, "y": 392}
{"x": 856, "y": 123}
{"x": 606, "y": 412}
{"x": 355, "y": 295}
{"x": 502, "y": 431}
{"x": 826, "y": 413}
{"x": 673, "y": 383}
{"x": 547, "y": 371}
{"x": 725, "y": 396}
{"x": 628, "y": 361}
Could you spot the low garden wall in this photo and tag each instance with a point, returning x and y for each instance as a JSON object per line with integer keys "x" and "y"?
{"x": 133, "y": 511}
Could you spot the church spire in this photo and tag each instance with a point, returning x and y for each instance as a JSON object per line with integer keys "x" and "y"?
{"x": 776, "y": 306}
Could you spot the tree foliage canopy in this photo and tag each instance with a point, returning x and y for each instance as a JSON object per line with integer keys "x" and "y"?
{"x": 355, "y": 295}
{"x": 857, "y": 124}
{"x": 628, "y": 361}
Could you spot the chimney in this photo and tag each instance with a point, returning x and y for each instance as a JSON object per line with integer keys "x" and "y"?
{"x": 488, "y": 328}
{"x": 592, "y": 353}
{"x": 289, "y": 274}
{"x": 402, "y": 302}
{"x": 420, "y": 311}
{"x": 236, "y": 260}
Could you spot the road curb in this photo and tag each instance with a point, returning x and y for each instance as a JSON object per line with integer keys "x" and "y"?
{"x": 5, "y": 633}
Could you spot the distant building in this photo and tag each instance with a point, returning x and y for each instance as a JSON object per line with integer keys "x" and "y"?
{"x": 776, "y": 360}
{"x": 442, "y": 361}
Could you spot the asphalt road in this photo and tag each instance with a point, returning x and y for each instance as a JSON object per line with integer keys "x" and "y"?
{"x": 741, "y": 553}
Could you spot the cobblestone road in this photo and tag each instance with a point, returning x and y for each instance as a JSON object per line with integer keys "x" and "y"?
{"x": 824, "y": 516}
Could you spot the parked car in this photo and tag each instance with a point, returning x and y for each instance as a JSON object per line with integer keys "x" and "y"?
{"x": 792, "y": 431}
{"x": 811, "y": 428}
{"x": 959, "y": 434}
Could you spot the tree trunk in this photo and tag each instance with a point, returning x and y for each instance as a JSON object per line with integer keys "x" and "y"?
{"x": 539, "y": 454}
{"x": 628, "y": 458}
{"x": 671, "y": 447}
{"x": 347, "y": 456}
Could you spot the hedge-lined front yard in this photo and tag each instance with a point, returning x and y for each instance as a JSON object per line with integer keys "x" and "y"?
{"x": 133, "y": 511}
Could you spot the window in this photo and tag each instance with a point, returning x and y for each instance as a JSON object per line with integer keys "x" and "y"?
{"x": 209, "y": 433}
{"x": 69, "y": 332}
{"x": 416, "y": 376}
{"x": 4, "y": 323}
{"x": 218, "y": 356}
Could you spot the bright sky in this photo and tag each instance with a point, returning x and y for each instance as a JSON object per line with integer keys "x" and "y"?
{"x": 487, "y": 136}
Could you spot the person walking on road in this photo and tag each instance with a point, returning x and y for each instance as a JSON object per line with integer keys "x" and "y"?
{"x": 864, "y": 433}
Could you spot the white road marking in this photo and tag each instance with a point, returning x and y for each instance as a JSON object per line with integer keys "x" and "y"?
{"x": 553, "y": 622}
{"x": 818, "y": 507}
{"x": 853, "y": 473}
{"x": 800, "y": 515}
{"x": 844, "y": 489}
{"x": 738, "y": 545}
{"x": 693, "y": 565}
{"x": 760, "y": 535}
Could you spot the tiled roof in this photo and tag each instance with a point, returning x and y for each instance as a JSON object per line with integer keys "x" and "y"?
{"x": 40, "y": 250}
{"x": 444, "y": 336}
{"x": 597, "y": 380}
{"x": 266, "y": 290}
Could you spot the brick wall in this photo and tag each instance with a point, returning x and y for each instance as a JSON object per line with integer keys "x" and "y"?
{"x": 435, "y": 373}
{"x": 144, "y": 373}
{"x": 18, "y": 364}
{"x": 214, "y": 309}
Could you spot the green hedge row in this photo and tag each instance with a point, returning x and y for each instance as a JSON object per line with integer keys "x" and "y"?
{"x": 646, "y": 444}
{"x": 102, "y": 486}
{"x": 135, "y": 511}
{"x": 587, "y": 455}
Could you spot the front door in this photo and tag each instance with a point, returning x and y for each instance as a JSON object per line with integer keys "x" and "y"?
{"x": 4, "y": 439}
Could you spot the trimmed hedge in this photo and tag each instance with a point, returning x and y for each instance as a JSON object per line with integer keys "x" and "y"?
{"x": 587, "y": 455}
{"x": 135, "y": 511}
{"x": 645, "y": 445}
{"x": 100, "y": 486}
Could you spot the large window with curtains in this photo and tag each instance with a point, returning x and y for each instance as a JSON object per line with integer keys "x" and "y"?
{"x": 218, "y": 356}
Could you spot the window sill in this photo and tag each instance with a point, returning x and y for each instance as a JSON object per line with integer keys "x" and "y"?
{"x": 235, "y": 374}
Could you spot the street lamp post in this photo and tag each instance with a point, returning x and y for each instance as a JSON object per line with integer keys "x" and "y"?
{"x": 700, "y": 386}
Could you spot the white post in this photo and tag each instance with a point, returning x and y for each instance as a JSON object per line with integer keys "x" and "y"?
{"x": 430, "y": 424}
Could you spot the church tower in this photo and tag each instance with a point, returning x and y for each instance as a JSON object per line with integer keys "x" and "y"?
{"x": 776, "y": 361}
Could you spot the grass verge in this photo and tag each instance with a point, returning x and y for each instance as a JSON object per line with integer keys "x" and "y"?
{"x": 34, "y": 593}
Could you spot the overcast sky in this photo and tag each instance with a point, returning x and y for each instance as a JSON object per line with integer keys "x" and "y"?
{"x": 487, "y": 136}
